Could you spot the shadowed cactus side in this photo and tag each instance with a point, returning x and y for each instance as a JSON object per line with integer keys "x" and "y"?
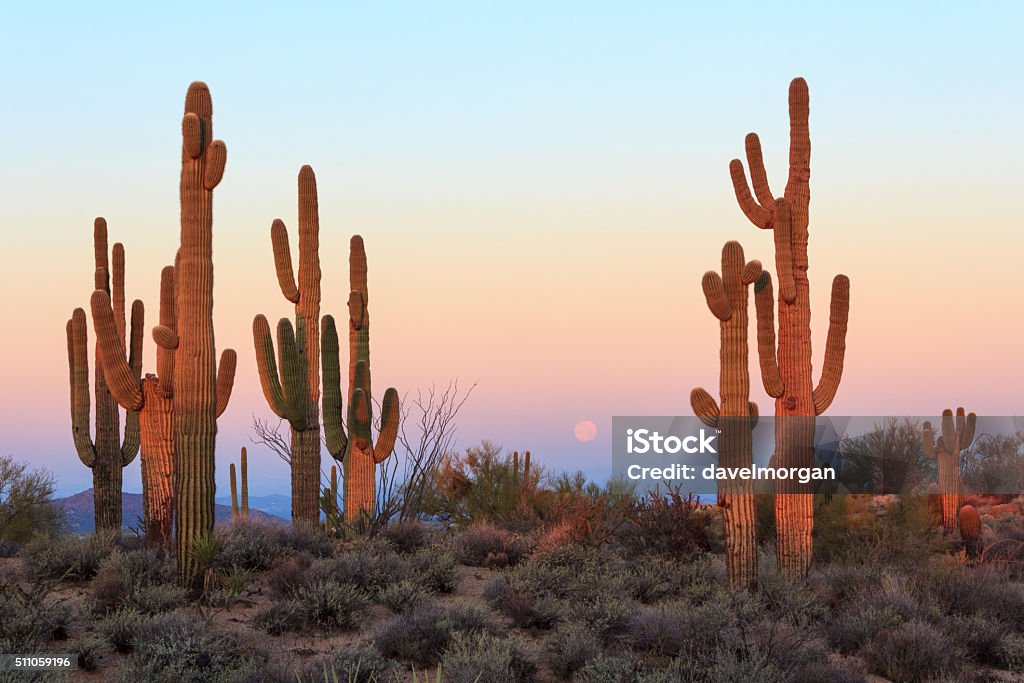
{"x": 240, "y": 510}
{"x": 727, "y": 297}
{"x": 152, "y": 397}
{"x": 969, "y": 522}
{"x": 786, "y": 370}
{"x": 358, "y": 452}
{"x": 329, "y": 503}
{"x": 110, "y": 452}
{"x": 293, "y": 390}
{"x": 956, "y": 436}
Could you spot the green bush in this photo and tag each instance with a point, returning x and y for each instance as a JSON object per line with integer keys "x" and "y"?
{"x": 26, "y": 504}
{"x": 69, "y": 557}
{"x": 120, "y": 627}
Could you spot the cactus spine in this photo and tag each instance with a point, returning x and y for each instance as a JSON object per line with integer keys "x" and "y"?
{"x": 152, "y": 397}
{"x": 201, "y": 392}
{"x": 109, "y": 453}
{"x": 294, "y": 392}
{"x": 727, "y": 297}
{"x": 356, "y": 450}
{"x": 240, "y": 511}
{"x": 956, "y": 436}
{"x": 786, "y": 371}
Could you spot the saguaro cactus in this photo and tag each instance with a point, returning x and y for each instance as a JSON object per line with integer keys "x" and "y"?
{"x": 786, "y": 371}
{"x": 152, "y": 398}
{"x": 201, "y": 392}
{"x": 970, "y": 529}
{"x": 240, "y": 511}
{"x": 294, "y": 393}
{"x": 956, "y": 436}
{"x": 109, "y": 453}
{"x": 356, "y": 450}
{"x": 329, "y": 502}
{"x": 727, "y": 297}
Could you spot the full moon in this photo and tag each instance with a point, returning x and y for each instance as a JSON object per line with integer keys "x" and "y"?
{"x": 585, "y": 430}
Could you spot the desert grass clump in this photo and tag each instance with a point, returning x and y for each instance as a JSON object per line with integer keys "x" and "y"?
{"x": 679, "y": 629}
{"x": 280, "y": 616}
{"x": 69, "y": 557}
{"x": 404, "y": 595}
{"x": 361, "y": 663}
{"x": 88, "y": 650}
{"x": 247, "y": 544}
{"x": 852, "y": 629}
{"x": 484, "y": 543}
{"x": 474, "y": 657}
{"x": 611, "y": 669}
{"x": 422, "y": 634}
{"x": 143, "y": 577}
{"x": 329, "y": 605}
{"x": 569, "y": 648}
{"x": 436, "y": 571}
{"x": 913, "y": 651}
{"x": 369, "y": 567}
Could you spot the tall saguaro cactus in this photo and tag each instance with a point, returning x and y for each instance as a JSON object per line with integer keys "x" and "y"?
{"x": 240, "y": 510}
{"x": 356, "y": 450}
{"x": 201, "y": 390}
{"x": 786, "y": 370}
{"x": 152, "y": 398}
{"x": 727, "y": 297}
{"x": 109, "y": 453}
{"x": 294, "y": 392}
{"x": 956, "y": 436}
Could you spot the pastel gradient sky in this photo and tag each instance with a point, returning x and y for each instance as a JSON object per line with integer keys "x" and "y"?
{"x": 540, "y": 189}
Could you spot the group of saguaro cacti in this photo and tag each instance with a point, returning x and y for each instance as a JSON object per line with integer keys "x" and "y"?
{"x": 786, "y": 368}
{"x": 956, "y": 436}
{"x": 293, "y": 389}
{"x": 240, "y": 510}
{"x": 736, "y": 415}
{"x": 356, "y": 449}
{"x": 179, "y": 407}
{"x": 109, "y": 452}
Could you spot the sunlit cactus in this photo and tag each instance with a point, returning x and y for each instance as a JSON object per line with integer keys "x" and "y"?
{"x": 152, "y": 397}
{"x": 786, "y": 369}
{"x": 727, "y": 297}
{"x": 293, "y": 389}
{"x": 110, "y": 452}
{"x": 357, "y": 450}
{"x": 240, "y": 510}
{"x": 956, "y": 436}
{"x": 970, "y": 528}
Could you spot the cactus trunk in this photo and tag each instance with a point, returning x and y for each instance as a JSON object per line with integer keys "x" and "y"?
{"x": 157, "y": 462}
{"x": 786, "y": 372}
{"x": 957, "y": 436}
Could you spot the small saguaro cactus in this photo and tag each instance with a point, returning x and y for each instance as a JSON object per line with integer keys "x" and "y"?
{"x": 727, "y": 296}
{"x": 152, "y": 397}
{"x": 786, "y": 370}
{"x": 109, "y": 453}
{"x": 970, "y": 529}
{"x": 294, "y": 392}
{"x": 329, "y": 502}
{"x": 240, "y": 510}
{"x": 201, "y": 388}
{"x": 956, "y": 436}
{"x": 356, "y": 450}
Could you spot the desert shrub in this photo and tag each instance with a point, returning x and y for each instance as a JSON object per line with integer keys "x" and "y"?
{"x": 484, "y": 540}
{"x": 569, "y": 648}
{"x": 901, "y": 595}
{"x": 371, "y": 567}
{"x": 68, "y": 556}
{"x": 332, "y": 605}
{"x": 144, "y": 578}
{"x": 654, "y": 578}
{"x": 28, "y": 619}
{"x": 160, "y": 597}
{"x": 26, "y": 504}
{"x": 88, "y": 651}
{"x": 680, "y": 628}
{"x": 982, "y": 638}
{"x": 353, "y": 664}
{"x": 423, "y": 633}
{"x": 790, "y": 600}
{"x": 435, "y": 570}
{"x": 834, "y": 672}
{"x": 914, "y": 651}
{"x": 479, "y": 656}
{"x": 249, "y": 545}
{"x": 965, "y": 591}
{"x": 849, "y": 631}
{"x": 287, "y": 577}
{"x": 404, "y": 595}
{"x": 406, "y": 536}
{"x": 1010, "y": 653}
{"x": 672, "y": 525}
{"x": 119, "y": 628}
{"x": 610, "y": 669}
{"x": 174, "y": 647}
{"x": 279, "y": 617}
{"x": 311, "y": 542}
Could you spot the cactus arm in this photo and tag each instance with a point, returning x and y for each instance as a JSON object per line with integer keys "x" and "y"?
{"x": 389, "y": 418}
{"x": 751, "y": 272}
{"x": 704, "y": 406}
{"x": 784, "y": 250}
{"x": 334, "y": 429}
{"x": 835, "y": 345}
{"x": 216, "y": 160}
{"x": 234, "y": 490}
{"x": 78, "y": 366}
{"x": 120, "y": 378}
{"x": 714, "y": 293}
{"x": 225, "y": 379}
{"x": 267, "y": 366}
{"x": 167, "y": 337}
{"x": 755, "y": 213}
{"x": 754, "y": 414}
{"x": 928, "y": 440}
{"x": 283, "y": 261}
{"x": 758, "y": 176}
{"x": 132, "y": 436}
{"x": 967, "y": 434}
{"x": 948, "y": 432}
{"x": 764, "y": 299}
{"x": 799, "y": 140}
{"x": 293, "y": 373}
{"x": 99, "y": 244}
{"x": 117, "y": 289}
{"x": 360, "y": 419}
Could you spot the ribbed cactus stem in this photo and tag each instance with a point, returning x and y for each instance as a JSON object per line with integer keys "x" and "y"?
{"x": 234, "y": 491}
{"x": 244, "y": 466}
{"x": 957, "y": 435}
{"x": 786, "y": 370}
{"x": 357, "y": 450}
{"x": 110, "y": 452}
{"x": 727, "y": 298}
{"x": 970, "y": 528}
{"x": 526, "y": 467}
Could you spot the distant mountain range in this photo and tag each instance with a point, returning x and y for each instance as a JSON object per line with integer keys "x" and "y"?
{"x": 80, "y": 519}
